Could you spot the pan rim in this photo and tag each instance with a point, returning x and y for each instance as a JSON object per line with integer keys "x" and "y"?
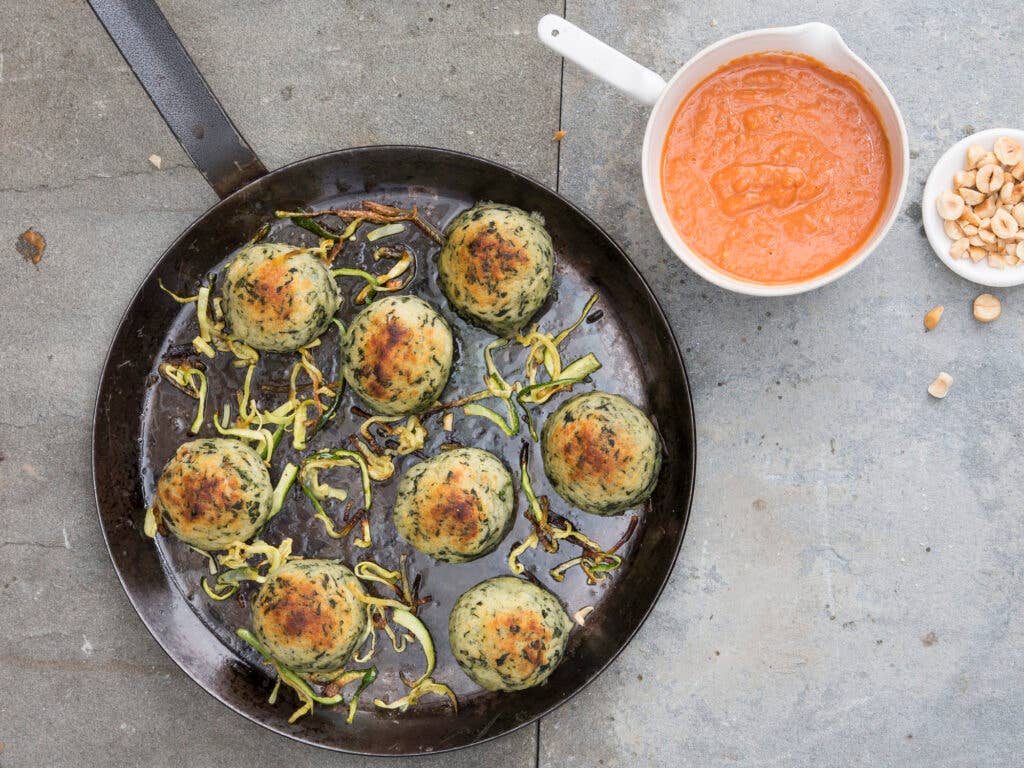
{"x": 689, "y": 424}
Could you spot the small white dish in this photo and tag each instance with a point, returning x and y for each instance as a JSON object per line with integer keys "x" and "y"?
{"x": 941, "y": 178}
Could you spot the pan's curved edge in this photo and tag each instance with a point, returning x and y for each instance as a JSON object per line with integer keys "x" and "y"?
{"x": 689, "y": 424}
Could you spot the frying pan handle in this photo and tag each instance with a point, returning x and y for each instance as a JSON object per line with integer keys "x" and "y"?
{"x": 600, "y": 59}
{"x": 170, "y": 77}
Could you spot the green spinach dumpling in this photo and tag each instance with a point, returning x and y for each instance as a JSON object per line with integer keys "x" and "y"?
{"x": 508, "y": 634}
{"x": 214, "y": 491}
{"x": 601, "y": 453}
{"x": 496, "y": 266}
{"x": 397, "y": 355}
{"x": 278, "y": 298}
{"x": 308, "y": 615}
{"x": 456, "y": 506}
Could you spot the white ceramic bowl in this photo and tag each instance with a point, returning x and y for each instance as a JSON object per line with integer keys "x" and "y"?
{"x": 941, "y": 178}
{"x": 819, "y": 41}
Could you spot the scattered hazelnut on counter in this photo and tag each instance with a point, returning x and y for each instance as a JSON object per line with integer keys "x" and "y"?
{"x": 987, "y": 308}
{"x": 931, "y": 319}
{"x": 940, "y": 386}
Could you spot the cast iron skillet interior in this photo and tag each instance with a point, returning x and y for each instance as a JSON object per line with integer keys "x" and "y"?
{"x": 140, "y": 422}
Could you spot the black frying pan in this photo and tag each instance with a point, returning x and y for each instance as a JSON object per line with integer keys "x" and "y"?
{"x": 139, "y": 423}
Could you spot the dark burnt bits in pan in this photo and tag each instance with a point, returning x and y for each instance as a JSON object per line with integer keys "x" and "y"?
{"x": 550, "y": 529}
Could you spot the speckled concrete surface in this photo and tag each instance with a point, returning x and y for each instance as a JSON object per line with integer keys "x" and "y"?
{"x": 849, "y": 592}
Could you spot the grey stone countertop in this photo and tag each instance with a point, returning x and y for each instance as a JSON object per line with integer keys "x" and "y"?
{"x": 849, "y": 592}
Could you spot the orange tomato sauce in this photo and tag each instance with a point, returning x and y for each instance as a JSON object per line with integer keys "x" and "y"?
{"x": 776, "y": 169}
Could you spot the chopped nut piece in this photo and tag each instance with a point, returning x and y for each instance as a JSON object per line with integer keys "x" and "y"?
{"x": 987, "y": 308}
{"x": 969, "y": 230}
{"x": 970, "y": 196}
{"x": 977, "y": 254}
{"x": 1008, "y": 151}
{"x": 996, "y": 261}
{"x": 952, "y": 229}
{"x": 157, "y": 161}
{"x": 970, "y": 217}
{"x": 931, "y": 319}
{"x": 1018, "y": 171}
{"x": 940, "y": 386}
{"x": 1006, "y": 193}
{"x": 989, "y": 158}
{"x": 580, "y": 616}
{"x": 559, "y": 135}
{"x": 1004, "y": 225}
{"x": 960, "y": 248}
{"x": 1018, "y": 213}
{"x": 989, "y": 179}
{"x": 974, "y": 153}
{"x": 964, "y": 178}
{"x": 448, "y": 422}
{"x": 950, "y": 205}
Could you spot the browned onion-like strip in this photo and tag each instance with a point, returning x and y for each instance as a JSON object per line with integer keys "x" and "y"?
{"x": 335, "y": 251}
{"x": 376, "y": 213}
{"x": 353, "y": 521}
{"x": 457, "y": 403}
{"x": 626, "y": 536}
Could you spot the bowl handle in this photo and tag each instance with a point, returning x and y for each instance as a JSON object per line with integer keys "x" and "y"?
{"x": 599, "y": 59}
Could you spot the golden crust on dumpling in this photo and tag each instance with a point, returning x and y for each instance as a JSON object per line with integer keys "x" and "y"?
{"x": 508, "y": 634}
{"x": 601, "y": 453}
{"x": 398, "y": 355}
{"x": 214, "y": 491}
{"x": 308, "y": 616}
{"x": 456, "y": 506}
{"x": 496, "y": 266}
{"x": 277, "y": 297}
